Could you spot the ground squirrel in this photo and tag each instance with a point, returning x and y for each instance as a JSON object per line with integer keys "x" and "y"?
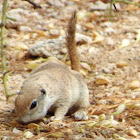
{"x": 52, "y": 86}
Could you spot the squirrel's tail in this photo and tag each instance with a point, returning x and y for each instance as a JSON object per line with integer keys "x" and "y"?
{"x": 71, "y": 43}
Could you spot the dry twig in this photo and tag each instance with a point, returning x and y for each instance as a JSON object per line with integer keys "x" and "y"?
{"x": 34, "y": 4}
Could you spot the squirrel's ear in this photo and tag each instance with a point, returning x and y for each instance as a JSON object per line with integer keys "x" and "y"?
{"x": 43, "y": 91}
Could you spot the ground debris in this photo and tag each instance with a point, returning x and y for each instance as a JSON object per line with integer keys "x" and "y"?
{"x": 109, "y": 53}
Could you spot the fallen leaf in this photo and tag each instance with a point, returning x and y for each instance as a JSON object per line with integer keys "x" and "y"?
{"x": 101, "y": 81}
{"x": 85, "y": 66}
{"x": 32, "y": 125}
{"x": 134, "y": 84}
{"x": 15, "y": 130}
{"x": 20, "y": 55}
{"x": 28, "y": 134}
{"x": 41, "y": 138}
{"x": 97, "y": 37}
{"x": 91, "y": 123}
{"x": 31, "y": 66}
{"x": 138, "y": 35}
{"x": 40, "y": 33}
{"x": 117, "y": 137}
{"x": 83, "y": 72}
{"x": 109, "y": 123}
{"x": 81, "y": 14}
{"x": 119, "y": 110}
{"x": 102, "y": 117}
{"x": 56, "y": 135}
{"x": 21, "y": 46}
{"x": 125, "y": 43}
{"x": 121, "y": 64}
{"x": 133, "y": 132}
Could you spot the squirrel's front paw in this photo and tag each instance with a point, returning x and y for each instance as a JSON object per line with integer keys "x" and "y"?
{"x": 53, "y": 118}
{"x": 80, "y": 115}
{"x": 50, "y": 119}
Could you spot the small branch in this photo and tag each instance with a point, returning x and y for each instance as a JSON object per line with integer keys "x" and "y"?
{"x": 112, "y": 3}
{"x": 115, "y": 7}
{"x": 4, "y": 72}
{"x": 10, "y": 18}
{"x": 34, "y": 4}
{"x": 128, "y": 2}
{"x": 2, "y": 36}
{"x": 3, "y": 46}
{"x": 110, "y": 10}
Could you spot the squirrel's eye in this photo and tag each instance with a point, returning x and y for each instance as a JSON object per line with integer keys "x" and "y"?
{"x": 33, "y": 105}
{"x": 43, "y": 91}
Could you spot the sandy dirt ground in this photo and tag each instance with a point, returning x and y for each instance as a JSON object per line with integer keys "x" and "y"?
{"x": 110, "y": 63}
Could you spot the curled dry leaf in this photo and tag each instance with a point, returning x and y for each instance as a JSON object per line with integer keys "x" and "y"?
{"x": 15, "y": 130}
{"x": 138, "y": 35}
{"x": 32, "y": 125}
{"x": 101, "y": 80}
{"x": 102, "y": 117}
{"x": 125, "y": 43}
{"x": 51, "y": 58}
{"x": 83, "y": 72}
{"x": 91, "y": 123}
{"x": 25, "y": 28}
{"x": 28, "y": 134}
{"x": 121, "y": 64}
{"x": 56, "y": 135}
{"x": 134, "y": 84}
{"x": 119, "y": 110}
{"x": 97, "y": 37}
{"x": 81, "y": 130}
{"x": 81, "y": 14}
{"x": 133, "y": 132}
{"x": 33, "y": 64}
{"x": 83, "y": 39}
{"x": 41, "y": 33}
{"x": 41, "y": 138}
{"x": 85, "y": 66}
{"x": 117, "y": 137}
{"x": 54, "y": 33}
{"x": 22, "y": 47}
{"x": 20, "y": 55}
{"x": 95, "y": 117}
{"x": 109, "y": 123}
{"x": 133, "y": 105}
{"x": 89, "y": 26}
{"x": 18, "y": 46}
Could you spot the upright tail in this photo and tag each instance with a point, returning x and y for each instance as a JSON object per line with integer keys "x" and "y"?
{"x": 71, "y": 43}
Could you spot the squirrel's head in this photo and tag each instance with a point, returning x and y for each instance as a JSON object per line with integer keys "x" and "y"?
{"x": 30, "y": 103}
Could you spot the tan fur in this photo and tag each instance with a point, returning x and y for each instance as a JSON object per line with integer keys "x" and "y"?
{"x": 71, "y": 43}
{"x": 65, "y": 90}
